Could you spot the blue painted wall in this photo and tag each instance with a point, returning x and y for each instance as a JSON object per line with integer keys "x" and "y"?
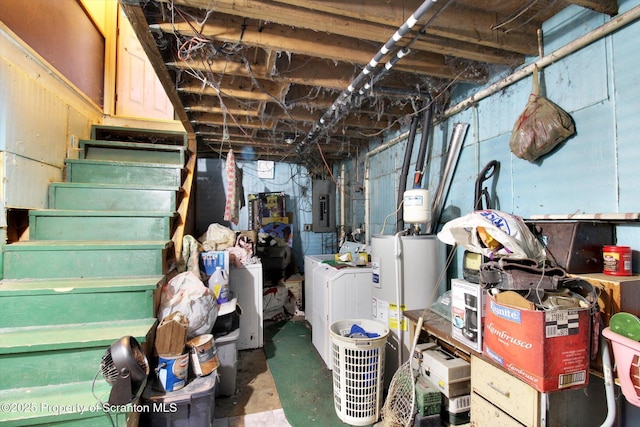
{"x": 595, "y": 171}
{"x": 291, "y": 179}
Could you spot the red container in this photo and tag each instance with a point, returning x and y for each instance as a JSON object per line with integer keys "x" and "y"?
{"x": 617, "y": 260}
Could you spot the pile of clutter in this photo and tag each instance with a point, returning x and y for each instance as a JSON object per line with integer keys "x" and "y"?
{"x": 197, "y": 313}
{"x": 536, "y": 317}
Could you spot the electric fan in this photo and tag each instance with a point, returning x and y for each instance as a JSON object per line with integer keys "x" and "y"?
{"x": 125, "y": 366}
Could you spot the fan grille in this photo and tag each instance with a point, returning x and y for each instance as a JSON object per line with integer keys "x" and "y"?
{"x": 141, "y": 359}
{"x": 108, "y": 368}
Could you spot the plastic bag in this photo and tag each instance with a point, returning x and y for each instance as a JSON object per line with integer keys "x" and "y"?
{"x": 494, "y": 234}
{"x": 218, "y": 238}
{"x": 541, "y": 126}
{"x": 187, "y": 294}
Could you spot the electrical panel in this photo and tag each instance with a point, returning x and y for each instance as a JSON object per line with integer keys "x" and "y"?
{"x": 324, "y": 206}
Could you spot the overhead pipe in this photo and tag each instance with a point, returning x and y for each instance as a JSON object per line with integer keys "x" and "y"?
{"x": 402, "y": 184}
{"x": 370, "y": 68}
{"x": 577, "y": 44}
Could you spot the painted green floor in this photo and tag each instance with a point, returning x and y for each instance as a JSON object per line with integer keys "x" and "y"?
{"x": 303, "y": 381}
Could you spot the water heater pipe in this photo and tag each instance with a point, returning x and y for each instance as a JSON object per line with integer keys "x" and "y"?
{"x": 399, "y": 280}
{"x": 426, "y": 129}
{"x": 402, "y": 185}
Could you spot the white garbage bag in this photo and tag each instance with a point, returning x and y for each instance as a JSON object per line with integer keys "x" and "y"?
{"x": 494, "y": 234}
{"x": 187, "y": 294}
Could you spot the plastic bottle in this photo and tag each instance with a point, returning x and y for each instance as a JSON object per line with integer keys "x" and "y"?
{"x": 219, "y": 285}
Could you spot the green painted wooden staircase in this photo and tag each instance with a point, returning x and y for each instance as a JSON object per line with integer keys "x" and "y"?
{"x": 87, "y": 276}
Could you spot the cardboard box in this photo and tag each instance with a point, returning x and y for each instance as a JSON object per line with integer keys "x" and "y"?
{"x": 171, "y": 335}
{"x": 467, "y": 313}
{"x": 212, "y": 259}
{"x": 549, "y": 350}
{"x": 617, "y": 293}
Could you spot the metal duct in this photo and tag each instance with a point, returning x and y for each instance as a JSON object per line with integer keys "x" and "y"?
{"x": 453, "y": 153}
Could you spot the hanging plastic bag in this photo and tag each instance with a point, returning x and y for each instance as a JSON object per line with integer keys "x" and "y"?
{"x": 494, "y": 234}
{"x": 187, "y": 294}
{"x": 541, "y": 126}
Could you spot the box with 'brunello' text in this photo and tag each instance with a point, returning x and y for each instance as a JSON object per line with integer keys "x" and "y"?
{"x": 547, "y": 349}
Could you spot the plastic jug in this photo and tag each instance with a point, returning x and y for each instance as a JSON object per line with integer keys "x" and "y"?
{"x": 219, "y": 285}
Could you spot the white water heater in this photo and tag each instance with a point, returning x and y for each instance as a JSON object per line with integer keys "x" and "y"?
{"x": 418, "y": 266}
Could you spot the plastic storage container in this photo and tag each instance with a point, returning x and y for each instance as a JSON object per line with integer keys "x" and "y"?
{"x": 358, "y": 368}
{"x": 191, "y": 406}
{"x": 227, "y": 346}
{"x": 627, "y": 356}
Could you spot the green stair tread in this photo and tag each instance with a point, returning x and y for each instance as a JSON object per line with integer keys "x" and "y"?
{"x": 110, "y": 132}
{"x": 124, "y": 163}
{"x": 15, "y": 287}
{"x": 114, "y": 186}
{"x": 56, "y": 403}
{"x": 60, "y": 337}
{"x": 71, "y": 245}
{"x": 135, "y": 145}
{"x": 99, "y": 213}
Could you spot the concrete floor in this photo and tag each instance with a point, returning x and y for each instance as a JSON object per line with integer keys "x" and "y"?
{"x": 256, "y": 401}
{"x": 275, "y": 418}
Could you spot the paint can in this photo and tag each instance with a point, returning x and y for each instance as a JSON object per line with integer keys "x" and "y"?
{"x": 617, "y": 260}
{"x": 172, "y": 372}
{"x": 204, "y": 355}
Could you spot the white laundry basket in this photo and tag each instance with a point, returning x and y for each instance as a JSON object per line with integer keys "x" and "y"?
{"x": 358, "y": 371}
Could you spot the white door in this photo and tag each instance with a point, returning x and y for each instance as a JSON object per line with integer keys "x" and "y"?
{"x": 138, "y": 90}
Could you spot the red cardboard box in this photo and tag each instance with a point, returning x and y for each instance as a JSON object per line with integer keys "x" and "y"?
{"x": 548, "y": 350}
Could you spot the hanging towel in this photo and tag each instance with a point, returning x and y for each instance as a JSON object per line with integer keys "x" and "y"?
{"x": 231, "y": 209}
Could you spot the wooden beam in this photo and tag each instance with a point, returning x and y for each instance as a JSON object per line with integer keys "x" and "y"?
{"x": 310, "y": 43}
{"x": 362, "y": 28}
{"x": 449, "y": 22}
{"x": 254, "y": 89}
{"x": 610, "y": 7}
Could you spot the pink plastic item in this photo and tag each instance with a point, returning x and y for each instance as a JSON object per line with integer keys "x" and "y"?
{"x": 627, "y": 357}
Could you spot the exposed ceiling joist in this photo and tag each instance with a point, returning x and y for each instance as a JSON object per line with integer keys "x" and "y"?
{"x": 245, "y": 73}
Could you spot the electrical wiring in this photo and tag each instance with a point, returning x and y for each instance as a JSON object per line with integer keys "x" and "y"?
{"x": 196, "y": 47}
